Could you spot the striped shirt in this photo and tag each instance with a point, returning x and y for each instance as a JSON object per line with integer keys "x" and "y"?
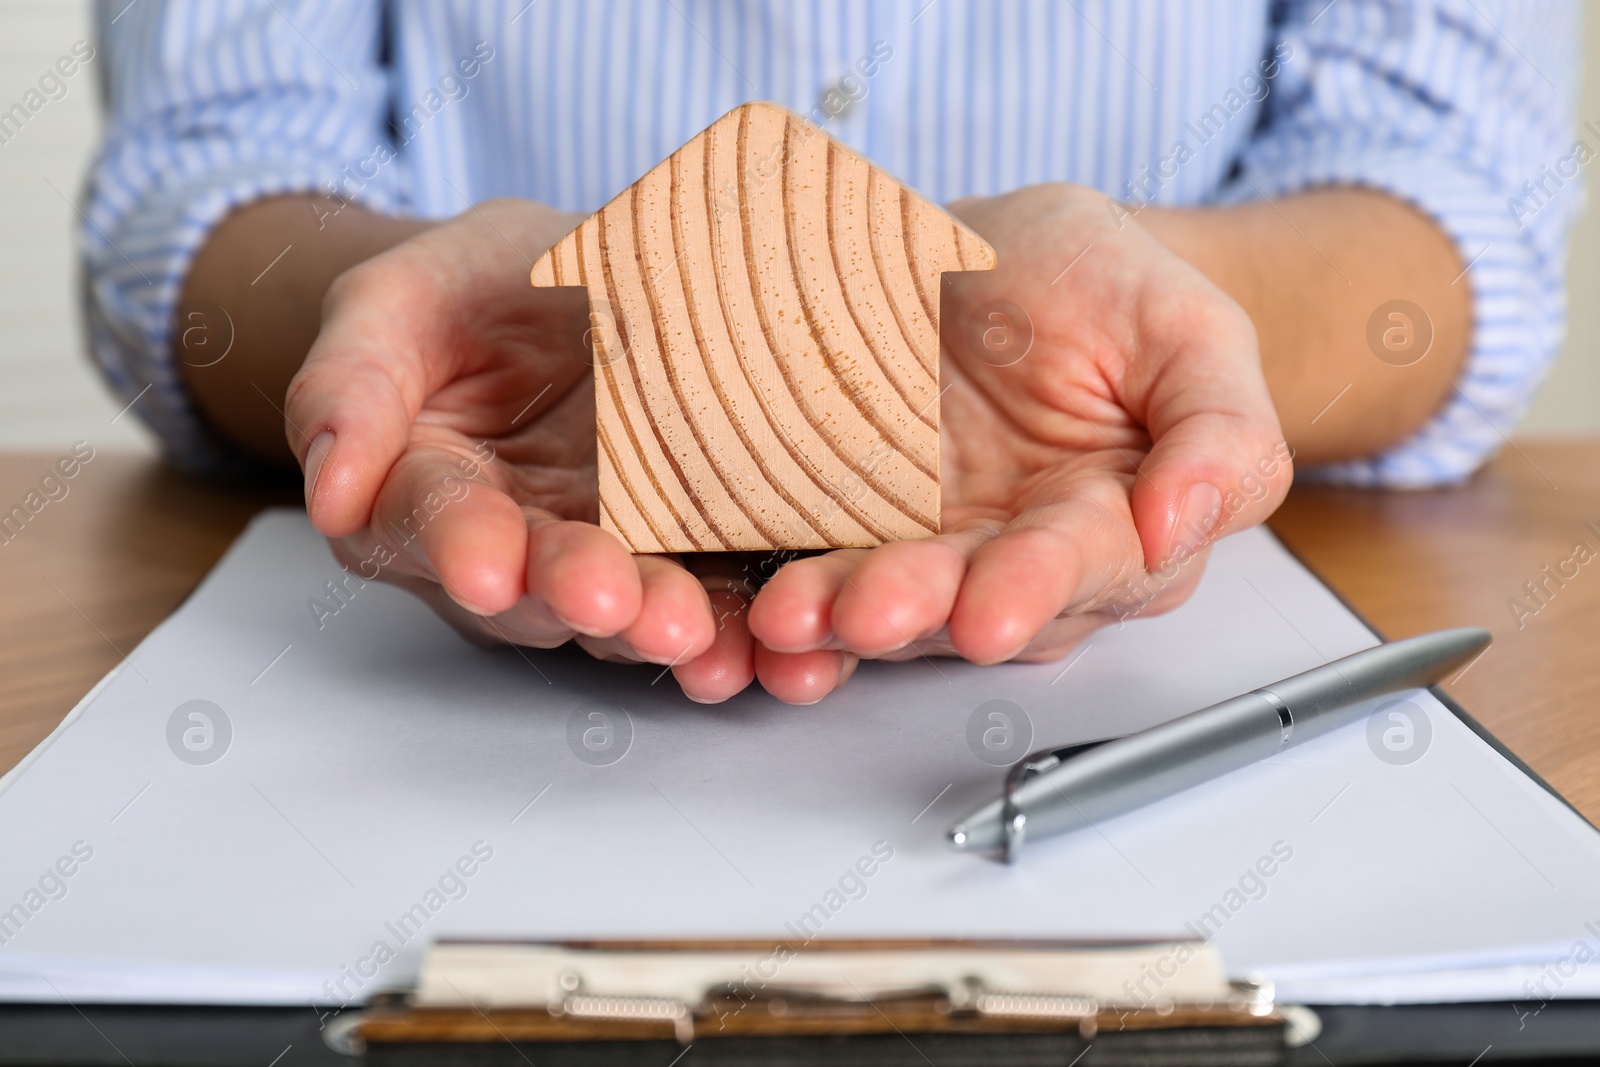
{"x": 1462, "y": 108}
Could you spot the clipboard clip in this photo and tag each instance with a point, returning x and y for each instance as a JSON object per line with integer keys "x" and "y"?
{"x": 967, "y": 997}
{"x": 626, "y": 1009}
{"x": 560, "y": 992}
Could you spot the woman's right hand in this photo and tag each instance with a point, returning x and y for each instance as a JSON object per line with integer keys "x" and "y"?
{"x": 444, "y": 420}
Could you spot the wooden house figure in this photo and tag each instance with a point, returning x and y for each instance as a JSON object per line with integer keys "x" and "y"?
{"x": 764, "y": 309}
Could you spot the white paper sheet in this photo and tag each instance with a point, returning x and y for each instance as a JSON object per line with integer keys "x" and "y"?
{"x": 374, "y": 760}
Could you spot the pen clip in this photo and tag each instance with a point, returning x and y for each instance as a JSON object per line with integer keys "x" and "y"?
{"x": 1013, "y": 820}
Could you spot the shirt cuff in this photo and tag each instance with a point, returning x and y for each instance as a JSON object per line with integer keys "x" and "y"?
{"x": 139, "y": 256}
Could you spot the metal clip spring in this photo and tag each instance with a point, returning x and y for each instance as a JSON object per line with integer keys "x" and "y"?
{"x": 634, "y": 1009}
{"x": 1036, "y": 1005}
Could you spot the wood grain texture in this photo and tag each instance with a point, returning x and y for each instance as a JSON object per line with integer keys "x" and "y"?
{"x": 1411, "y": 562}
{"x": 94, "y": 572}
{"x": 730, "y": 1017}
{"x": 764, "y": 309}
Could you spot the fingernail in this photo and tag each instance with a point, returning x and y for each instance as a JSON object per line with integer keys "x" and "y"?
{"x": 1197, "y": 520}
{"x": 321, "y": 445}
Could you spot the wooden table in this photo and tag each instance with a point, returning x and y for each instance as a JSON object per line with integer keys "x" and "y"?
{"x": 1412, "y": 562}
{"x": 92, "y": 573}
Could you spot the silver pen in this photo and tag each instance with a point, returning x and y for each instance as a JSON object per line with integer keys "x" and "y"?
{"x": 1058, "y": 790}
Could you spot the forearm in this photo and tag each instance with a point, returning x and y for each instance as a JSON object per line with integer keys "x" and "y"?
{"x": 274, "y": 305}
{"x": 1311, "y": 270}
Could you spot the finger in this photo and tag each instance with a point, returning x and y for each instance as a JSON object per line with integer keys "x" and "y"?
{"x": 1151, "y": 593}
{"x": 1064, "y": 639}
{"x": 1072, "y": 548}
{"x": 1218, "y": 461}
{"x": 585, "y": 576}
{"x": 727, "y": 666}
{"x": 461, "y": 532}
{"x": 1206, "y": 477}
{"x": 793, "y": 612}
{"x": 1056, "y": 640}
{"x": 350, "y": 408}
{"x": 674, "y": 623}
{"x": 528, "y": 623}
{"x": 902, "y": 592}
{"x": 803, "y": 677}
{"x": 396, "y": 330}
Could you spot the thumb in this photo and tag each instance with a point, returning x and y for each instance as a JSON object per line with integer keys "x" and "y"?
{"x": 1210, "y": 475}
{"x": 1218, "y": 462}
{"x": 351, "y": 406}
{"x": 390, "y": 340}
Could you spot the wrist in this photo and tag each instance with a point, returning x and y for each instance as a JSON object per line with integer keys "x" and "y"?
{"x": 267, "y": 266}
{"x": 1311, "y": 270}
{"x": 1221, "y": 243}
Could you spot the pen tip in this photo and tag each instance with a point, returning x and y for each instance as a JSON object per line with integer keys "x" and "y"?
{"x": 957, "y": 836}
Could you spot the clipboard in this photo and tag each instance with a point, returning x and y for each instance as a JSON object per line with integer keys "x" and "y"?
{"x": 759, "y": 1000}
{"x": 165, "y": 1028}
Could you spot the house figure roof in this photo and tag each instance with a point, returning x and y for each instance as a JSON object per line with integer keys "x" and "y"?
{"x": 764, "y": 310}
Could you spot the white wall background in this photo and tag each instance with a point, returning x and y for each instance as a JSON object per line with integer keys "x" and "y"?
{"x": 1569, "y": 400}
{"x": 50, "y": 395}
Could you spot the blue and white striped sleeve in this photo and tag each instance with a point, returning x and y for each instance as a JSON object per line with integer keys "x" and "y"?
{"x": 212, "y": 105}
{"x": 1462, "y": 108}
